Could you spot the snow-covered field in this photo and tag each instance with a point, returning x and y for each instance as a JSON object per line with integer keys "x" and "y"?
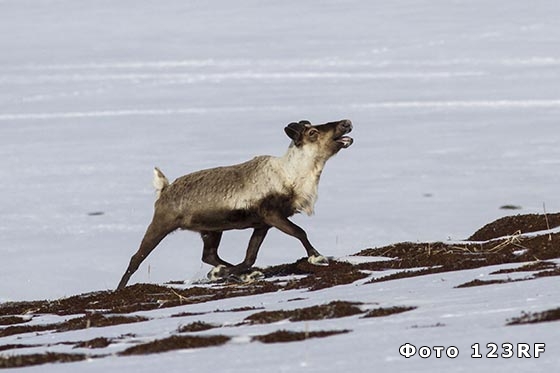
{"x": 455, "y": 106}
{"x": 445, "y": 316}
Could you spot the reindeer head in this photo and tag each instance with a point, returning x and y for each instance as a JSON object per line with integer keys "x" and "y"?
{"x": 327, "y": 138}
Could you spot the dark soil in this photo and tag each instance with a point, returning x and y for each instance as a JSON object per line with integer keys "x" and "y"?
{"x": 16, "y": 346}
{"x": 283, "y": 336}
{"x": 510, "y": 225}
{"x": 197, "y": 326}
{"x": 188, "y": 314}
{"x": 138, "y": 297}
{"x": 405, "y": 274}
{"x": 38, "y": 359}
{"x": 241, "y": 309}
{"x": 318, "y": 277}
{"x": 12, "y": 320}
{"x": 478, "y": 282}
{"x": 554, "y": 272}
{"x": 531, "y": 267}
{"x": 98, "y": 321}
{"x": 332, "y": 310}
{"x": 295, "y": 299}
{"x": 538, "y": 317}
{"x": 94, "y": 343}
{"x": 88, "y": 321}
{"x": 175, "y": 342}
{"x": 148, "y": 296}
{"x": 459, "y": 256}
{"x": 442, "y": 257}
{"x": 381, "y": 312}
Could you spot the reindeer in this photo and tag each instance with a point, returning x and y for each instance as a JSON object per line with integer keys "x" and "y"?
{"x": 259, "y": 194}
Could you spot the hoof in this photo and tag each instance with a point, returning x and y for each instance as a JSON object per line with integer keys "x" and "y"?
{"x": 217, "y": 273}
{"x": 253, "y": 276}
{"x": 318, "y": 260}
{"x": 247, "y": 278}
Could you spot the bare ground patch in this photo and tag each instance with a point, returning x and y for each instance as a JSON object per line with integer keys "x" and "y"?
{"x": 316, "y": 277}
{"x": 536, "y": 317}
{"x": 381, "y": 312}
{"x": 19, "y": 361}
{"x": 531, "y": 267}
{"x": 478, "y": 282}
{"x": 283, "y": 336}
{"x": 438, "y": 257}
{"x": 175, "y": 342}
{"x": 197, "y": 326}
{"x": 100, "y": 342}
{"x": 331, "y": 310}
{"x": 88, "y": 321}
{"x": 16, "y": 347}
{"x": 12, "y": 320}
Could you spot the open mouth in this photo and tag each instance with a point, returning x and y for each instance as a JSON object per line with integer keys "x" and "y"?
{"x": 344, "y": 127}
{"x": 344, "y": 141}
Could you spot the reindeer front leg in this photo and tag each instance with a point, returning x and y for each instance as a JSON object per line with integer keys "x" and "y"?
{"x": 285, "y": 225}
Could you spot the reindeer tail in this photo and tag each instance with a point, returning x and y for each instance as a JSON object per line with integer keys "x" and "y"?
{"x": 160, "y": 182}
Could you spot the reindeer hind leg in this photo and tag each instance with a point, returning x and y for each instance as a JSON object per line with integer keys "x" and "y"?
{"x": 157, "y": 230}
{"x": 211, "y": 240}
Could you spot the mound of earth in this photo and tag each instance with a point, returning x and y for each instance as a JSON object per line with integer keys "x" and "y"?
{"x": 518, "y": 224}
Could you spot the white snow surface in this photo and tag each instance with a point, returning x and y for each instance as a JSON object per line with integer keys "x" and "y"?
{"x": 455, "y": 106}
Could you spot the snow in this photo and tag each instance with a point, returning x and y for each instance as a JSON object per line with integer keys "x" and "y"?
{"x": 455, "y": 107}
{"x": 470, "y": 315}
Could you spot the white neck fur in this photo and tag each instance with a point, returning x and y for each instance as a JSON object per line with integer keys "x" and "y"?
{"x": 303, "y": 167}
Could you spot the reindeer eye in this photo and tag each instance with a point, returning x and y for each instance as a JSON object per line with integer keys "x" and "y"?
{"x": 313, "y": 134}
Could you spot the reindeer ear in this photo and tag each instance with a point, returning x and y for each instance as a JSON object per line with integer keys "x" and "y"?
{"x": 295, "y": 132}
